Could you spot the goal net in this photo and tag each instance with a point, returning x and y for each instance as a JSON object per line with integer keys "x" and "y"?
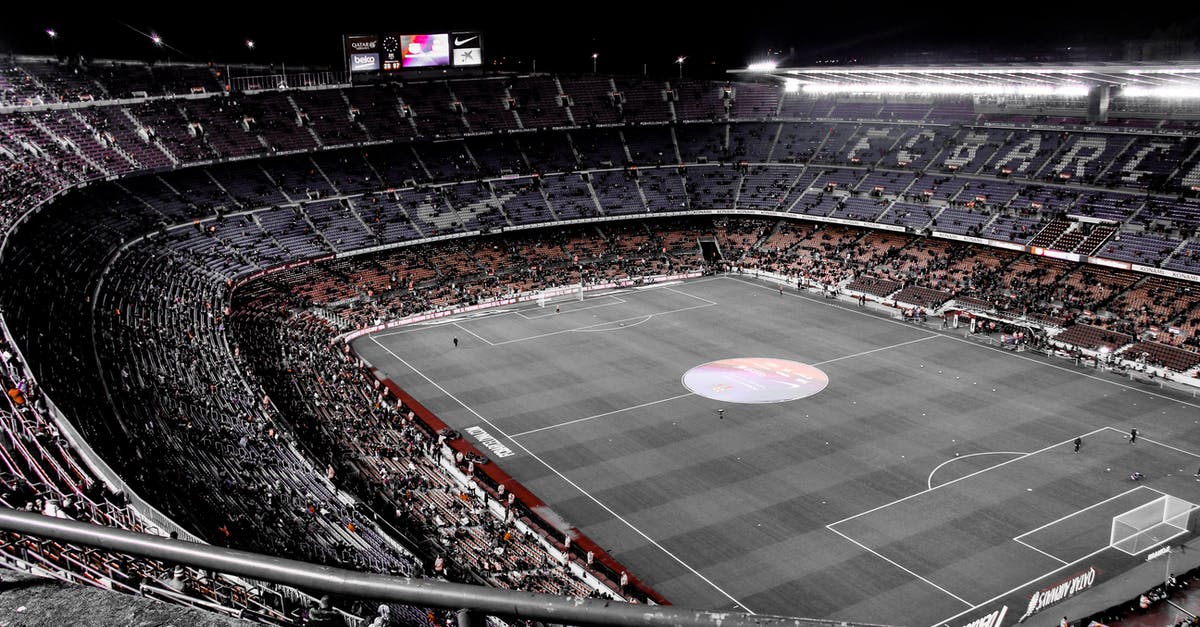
{"x": 1145, "y": 527}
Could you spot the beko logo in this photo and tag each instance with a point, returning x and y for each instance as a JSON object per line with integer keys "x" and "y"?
{"x": 360, "y": 62}
{"x": 459, "y": 42}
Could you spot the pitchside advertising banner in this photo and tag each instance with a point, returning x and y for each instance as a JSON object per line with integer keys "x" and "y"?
{"x": 1039, "y": 599}
{"x": 394, "y": 51}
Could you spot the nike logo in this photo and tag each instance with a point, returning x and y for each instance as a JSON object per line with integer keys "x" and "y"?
{"x": 459, "y": 42}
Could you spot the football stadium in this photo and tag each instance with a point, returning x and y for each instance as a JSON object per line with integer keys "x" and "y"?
{"x": 426, "y": 336}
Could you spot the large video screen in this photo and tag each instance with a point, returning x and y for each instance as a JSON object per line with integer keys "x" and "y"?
{"x": 425, "y": 50}
{"x": 398, "y": 51}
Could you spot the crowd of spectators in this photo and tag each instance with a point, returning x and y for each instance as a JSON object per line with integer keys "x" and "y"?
{"x": 373, "y": 446}
{"x": 40, "y": 471}
{"x": 127, "y": 286}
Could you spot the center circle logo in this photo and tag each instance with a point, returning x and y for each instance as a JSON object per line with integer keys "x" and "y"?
{"x": 755, "y": 380}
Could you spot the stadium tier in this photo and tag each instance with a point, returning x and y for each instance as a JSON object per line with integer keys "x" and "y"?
{"x": 181, "y": 268}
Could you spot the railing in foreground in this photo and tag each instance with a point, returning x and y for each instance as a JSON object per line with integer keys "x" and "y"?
{"x": 475, "y": 600}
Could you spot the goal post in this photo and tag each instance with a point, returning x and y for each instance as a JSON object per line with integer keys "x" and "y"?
{"x": 1147, "y": 526}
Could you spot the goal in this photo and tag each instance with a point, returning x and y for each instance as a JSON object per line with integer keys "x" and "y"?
{"x": 1147, "y": 526}
{"x": 557, "y": 295}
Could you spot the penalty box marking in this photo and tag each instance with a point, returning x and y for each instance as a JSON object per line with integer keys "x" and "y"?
{"x": 831, "y": 525}
{"x": 455, "y": 320}
{"x": 642, "y": 318}
{"x": 571, "y": 310}
{"x": 1018, "y": 539}
{"x": 967, "y": 476}
{"x": 1015, "y": 589}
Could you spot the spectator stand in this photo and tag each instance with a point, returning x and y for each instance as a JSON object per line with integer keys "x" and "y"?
{"x": 43, "y": 155}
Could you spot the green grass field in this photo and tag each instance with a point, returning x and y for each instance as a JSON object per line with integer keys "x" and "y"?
{"x": 933, "y": 477}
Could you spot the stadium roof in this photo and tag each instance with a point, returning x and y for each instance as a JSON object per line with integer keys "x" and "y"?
{"x": 1180, "y": 79}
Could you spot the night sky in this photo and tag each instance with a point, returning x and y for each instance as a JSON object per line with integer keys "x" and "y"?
{"x": 625, "y": 36}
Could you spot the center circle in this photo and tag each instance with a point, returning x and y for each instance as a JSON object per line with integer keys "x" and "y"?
{"x": 755, "y": 380}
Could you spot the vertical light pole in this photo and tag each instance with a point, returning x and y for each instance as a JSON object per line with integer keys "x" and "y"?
{"x": 53, "y": 35}
{"x": 595, "y": 55}
{"x": 158, "y": 42}
{"x": 680, "y": 61}
{"x": 250, "y": 59}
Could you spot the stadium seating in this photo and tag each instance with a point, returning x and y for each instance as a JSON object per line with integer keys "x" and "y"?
{"x": 206, "y": 192}
{"x": 1090, "y": 337}
{"x": 881, "y": 288}
{"x": 1154, "y": 353}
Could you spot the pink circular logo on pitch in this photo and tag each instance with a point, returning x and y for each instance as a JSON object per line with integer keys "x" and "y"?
{"x": 755, "y": 380}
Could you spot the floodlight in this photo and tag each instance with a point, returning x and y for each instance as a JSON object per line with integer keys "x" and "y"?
{"x": 1178, "y": 91}
{"x": 997, "y": 89}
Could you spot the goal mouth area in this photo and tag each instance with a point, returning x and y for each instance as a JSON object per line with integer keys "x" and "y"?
{"x": 1151, "y": 525}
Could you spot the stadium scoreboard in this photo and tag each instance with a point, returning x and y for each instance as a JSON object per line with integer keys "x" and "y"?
{"x": 392, "y": 51}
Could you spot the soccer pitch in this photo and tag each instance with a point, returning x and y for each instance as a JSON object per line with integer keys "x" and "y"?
{"x": 931, "y": 479}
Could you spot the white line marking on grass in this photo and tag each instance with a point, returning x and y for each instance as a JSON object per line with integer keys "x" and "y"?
{"x": 827, "y": 303}
{"x": 929, "y": 482}
{"x": 1082, "y": 374}
{"x": 571, "y": 310}
{"x": 622, "y": 326}
{"x": 872, "y": 551}
{"x": 1062, "y": 518}
{"x": 1030, "y": 546}
{"x": 503, "y": 311}
{"x": 942, "y": 623}
{"x": 876, "y": 350}
{"x": 566, "y": 479}
{"x": 607, "y": 413}
{"x": 950, "y": 619}
{"x": 953, "y": 481}
{"x": 1178, "y": 450}
{"x": 671, "y": 289}
{"x": 480, "y": 337}
{"x": 831, "y": 525}
{"x": 598, "y": 324}
{"x": 970, "y": 343}
{"x": 410, "y": 328}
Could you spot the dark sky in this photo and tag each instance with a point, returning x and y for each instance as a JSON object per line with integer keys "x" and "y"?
{"x": 625, "y": 35}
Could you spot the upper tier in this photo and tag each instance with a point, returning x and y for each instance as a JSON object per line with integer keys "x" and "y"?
{"x": 935, "y": 165}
